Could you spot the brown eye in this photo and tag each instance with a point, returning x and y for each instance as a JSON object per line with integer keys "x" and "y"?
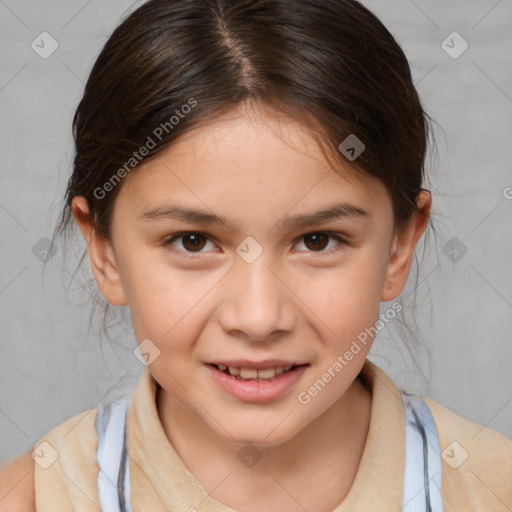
{"x": 190, "y": 242}
{"x": 317, "y": 241}
{"x": 193, "y": 241}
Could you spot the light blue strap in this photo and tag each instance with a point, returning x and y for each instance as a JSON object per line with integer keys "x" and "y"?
{"x": 126, "y": 503}
{"x": 422, "y": 484}
{"x": 112, "y": 457}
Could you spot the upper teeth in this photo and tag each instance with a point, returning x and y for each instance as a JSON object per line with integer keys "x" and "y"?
{"x": 253, "y": 373}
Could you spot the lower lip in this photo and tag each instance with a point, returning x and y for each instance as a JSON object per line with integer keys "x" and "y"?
{"x": 257, "y": 391}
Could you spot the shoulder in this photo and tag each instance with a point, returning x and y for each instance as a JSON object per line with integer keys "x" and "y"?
{"x": 17, "y": 485}
{"x": 476, "y": 462}
{"x": 66, "y": 466}
{"x": 61, "y": 469}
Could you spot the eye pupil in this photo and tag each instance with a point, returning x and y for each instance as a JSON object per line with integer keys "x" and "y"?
{"x": 196, "y": 241}
{"x": 316, "y": 239}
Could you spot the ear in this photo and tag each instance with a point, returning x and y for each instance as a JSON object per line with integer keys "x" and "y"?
{"x": 101, "y": 255}
{"x": 404, "y": 244}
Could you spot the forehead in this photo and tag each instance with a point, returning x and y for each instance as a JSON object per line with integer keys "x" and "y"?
{"x": 252, "y": 159}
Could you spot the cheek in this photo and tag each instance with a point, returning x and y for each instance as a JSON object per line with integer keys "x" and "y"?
{"x": 347, "y": 306}
{"x": 346, "y": 299}
{"x": 164, "y": 301}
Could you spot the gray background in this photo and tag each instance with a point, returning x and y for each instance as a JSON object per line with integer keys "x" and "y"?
{"x": 51, "y": 365}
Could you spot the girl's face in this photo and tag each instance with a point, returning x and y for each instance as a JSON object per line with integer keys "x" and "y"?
{"x": 222, "y": 255}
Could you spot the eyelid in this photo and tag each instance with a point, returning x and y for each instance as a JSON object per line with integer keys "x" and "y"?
{"x": 341, "y": 238}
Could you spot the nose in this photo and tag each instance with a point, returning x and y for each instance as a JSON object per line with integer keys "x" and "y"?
{"x": 257, "y": 301}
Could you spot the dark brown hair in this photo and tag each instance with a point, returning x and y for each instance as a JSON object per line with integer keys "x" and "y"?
{"x": 173, "y": 64}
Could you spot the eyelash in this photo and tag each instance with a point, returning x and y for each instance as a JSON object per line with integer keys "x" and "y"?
{"x": 168, "y": 242}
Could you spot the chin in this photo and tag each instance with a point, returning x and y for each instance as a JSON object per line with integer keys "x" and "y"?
{"x": 263, "y": 436}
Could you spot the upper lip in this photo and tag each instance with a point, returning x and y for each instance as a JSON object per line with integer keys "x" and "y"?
{"x": 258, "y": 365}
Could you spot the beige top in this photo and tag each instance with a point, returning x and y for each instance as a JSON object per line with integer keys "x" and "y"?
{"x": 476, "y": 464}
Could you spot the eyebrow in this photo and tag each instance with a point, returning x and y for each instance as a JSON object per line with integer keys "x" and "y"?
{"x": 290, "y": 222}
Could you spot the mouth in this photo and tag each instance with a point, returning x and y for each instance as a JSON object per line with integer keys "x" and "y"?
{"x": 270, "y": 381}
{"x": 250, "y": 373}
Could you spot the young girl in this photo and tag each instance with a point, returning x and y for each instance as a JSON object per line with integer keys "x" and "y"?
{"x": 249, "y": 181}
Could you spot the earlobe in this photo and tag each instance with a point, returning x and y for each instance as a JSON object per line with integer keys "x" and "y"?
{"x": 403, "y": 246}
{"x": 101, "y": 255}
